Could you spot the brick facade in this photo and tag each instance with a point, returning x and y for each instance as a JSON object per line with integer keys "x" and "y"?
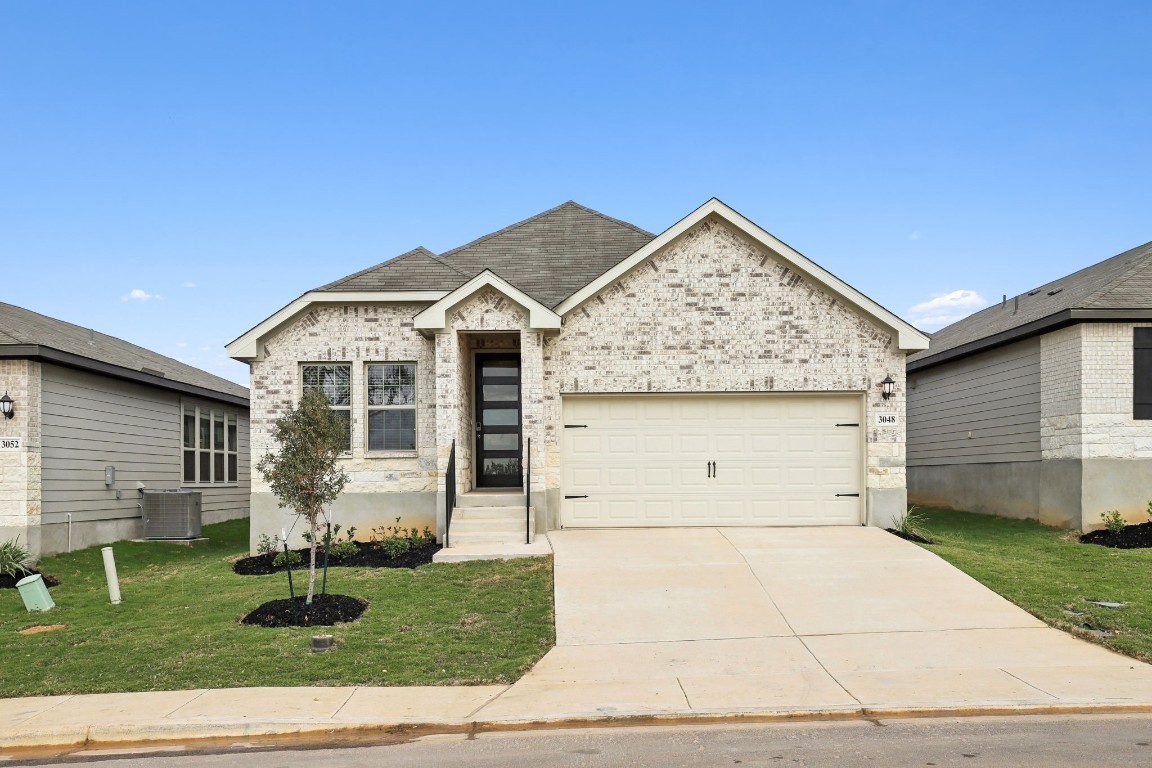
{"x": 20, "y": 469}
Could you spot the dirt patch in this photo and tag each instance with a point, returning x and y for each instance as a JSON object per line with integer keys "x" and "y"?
{"x": 910, "y": 536}
{"x": 9, "y": 582}
{"x": 1128, "y": 537}
{"x": 325, "y": 611}
{"x": 366, "y": 556}
{"x": 41, "y": 628}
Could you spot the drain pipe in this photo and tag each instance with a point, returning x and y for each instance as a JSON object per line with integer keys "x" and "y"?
{"x": 69, "y": 531}
{"x": 110, "y": 574}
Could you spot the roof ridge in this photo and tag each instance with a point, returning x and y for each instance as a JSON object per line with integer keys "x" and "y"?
{"x": 1140, "y": 262}
{"x": 452, "y": 267}
{"x": 414, "y": 252}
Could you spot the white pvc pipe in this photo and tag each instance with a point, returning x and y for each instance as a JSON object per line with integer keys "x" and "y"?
{"x": 110, "y": 573}
{"x": 69, "y": 531}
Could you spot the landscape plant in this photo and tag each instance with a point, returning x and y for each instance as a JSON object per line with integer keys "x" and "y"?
{"x": 304, "y": 473}
{"x": 1113, "y": 520}
{"x": 14, "y": 558}
{"x": 911, "y": 523}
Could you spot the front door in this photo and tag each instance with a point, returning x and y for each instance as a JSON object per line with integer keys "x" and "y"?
{"x": 498, "y": 420}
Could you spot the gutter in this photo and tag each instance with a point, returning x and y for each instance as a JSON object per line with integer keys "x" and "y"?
{"x": 50, "y": 355}
{"x": 1047, "y": 324}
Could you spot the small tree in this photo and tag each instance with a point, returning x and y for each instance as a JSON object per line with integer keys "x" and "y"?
{"x": 304, "y": 474}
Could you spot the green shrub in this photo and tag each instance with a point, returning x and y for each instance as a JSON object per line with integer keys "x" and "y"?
{"x": 342, "y": 549}
{"x": 266, "y": 544}
{"x": 291, "y": 557}
{"x": 13, "y": 558}
{"x": 395, "y": 545}
{"x": 1113, "y": 520}
{"x": 911, "y": 523}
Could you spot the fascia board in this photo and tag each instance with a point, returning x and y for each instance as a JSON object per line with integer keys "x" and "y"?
{"x": 435, "y": 317}
{"x": 247, "y": 346}
{"x": 909, "y": 338}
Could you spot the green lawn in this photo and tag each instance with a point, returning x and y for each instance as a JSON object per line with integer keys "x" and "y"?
{"x": 1047, "y": 572}
{"x": 441, "y": 624}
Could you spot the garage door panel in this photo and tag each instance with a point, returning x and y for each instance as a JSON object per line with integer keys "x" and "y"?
{"x": 644, "y": 460}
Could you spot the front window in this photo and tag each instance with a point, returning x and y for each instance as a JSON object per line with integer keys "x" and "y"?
{"x": 335, "y": 381}
{"x": 392, "y": 407}
{"x": 210, "y": 445}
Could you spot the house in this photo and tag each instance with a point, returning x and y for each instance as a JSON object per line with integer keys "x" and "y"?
{"x": 708, "y": 375}
{"x": 92, "y": 419}
{"x": 1041, "y": 406}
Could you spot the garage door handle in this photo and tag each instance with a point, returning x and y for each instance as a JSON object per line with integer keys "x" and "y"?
{"x": 575, "y": 426}
{"x": 576, "y": 497}
{"x": 848, "y": 425}
{"x": 849, "y": 494}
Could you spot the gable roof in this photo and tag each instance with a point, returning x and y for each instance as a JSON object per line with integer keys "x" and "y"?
{"x": 1114, "y": 289}
{"x": 435, "y": 317}
{"x": 28, "y": 334}
{"x": 548, "y": 256}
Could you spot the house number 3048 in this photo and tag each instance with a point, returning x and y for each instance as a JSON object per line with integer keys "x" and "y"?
{"x": 886, "y": 420}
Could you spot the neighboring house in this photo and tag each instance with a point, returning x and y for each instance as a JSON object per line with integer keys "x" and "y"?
{"x": 83, "y": 402}
{"x": 709, "y": 375}
{"x": 1041, "y": 406}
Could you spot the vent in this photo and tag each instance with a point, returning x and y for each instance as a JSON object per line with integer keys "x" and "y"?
{"x": 153, "y": 372}
{"x": 171, "y": 514}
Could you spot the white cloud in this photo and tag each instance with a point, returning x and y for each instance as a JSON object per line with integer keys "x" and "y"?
{"x": 181, "y": 344}
{"x": 137, "y": 294}
{"x": 915, "y": 235}
{"x": 945, "y": 309}
{"x": 189, "y": 285}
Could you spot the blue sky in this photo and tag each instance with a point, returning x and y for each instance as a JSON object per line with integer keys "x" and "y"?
{"x": 173, "y": 173}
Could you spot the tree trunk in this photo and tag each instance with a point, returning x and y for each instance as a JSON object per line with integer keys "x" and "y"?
{"x": 312, "y": 564}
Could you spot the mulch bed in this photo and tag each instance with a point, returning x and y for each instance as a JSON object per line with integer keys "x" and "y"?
{"x": 325, "y": 611}
{"x": 910, "y": 536}
{"x": 367, "y": 557}
{"x": 9, "y": 582}
{"x": 1129, "y": 537}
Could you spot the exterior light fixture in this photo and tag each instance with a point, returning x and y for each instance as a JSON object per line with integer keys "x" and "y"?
{"x": 6, "y": 406}
{"x": 886, "y": 387}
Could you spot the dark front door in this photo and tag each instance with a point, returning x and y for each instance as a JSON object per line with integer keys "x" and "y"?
{"x": 498, "y": 420}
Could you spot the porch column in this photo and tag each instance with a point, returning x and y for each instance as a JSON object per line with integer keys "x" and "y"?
{"x": 447, "y": 416}
{"x": 532, "y": 416}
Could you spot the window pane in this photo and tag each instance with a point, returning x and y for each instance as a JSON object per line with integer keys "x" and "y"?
{"x": 218, "y": 431}
{"x": 400, "y": 430}
{"x": 335, "y": 381}
{"x": 189, "y": 466}
{"x": 345, "y": 419}
{"x": 376, "y": 430}
{"x": 500, "y": 368}
{"x": 205, "y": 431}
{"x": 502, "y": 392}
{"x": 501, "y": 416}
{"x": 218, "y": 468}
{"x": 391, "y": 385}
{"x": 502, "y": 467}
{"x": 501, "y": 442}
{"x": 189, "y": 427}
{"x": 232, "y": 432}
{"x": 231, "y": 467}
{"x": 205, "y": 467}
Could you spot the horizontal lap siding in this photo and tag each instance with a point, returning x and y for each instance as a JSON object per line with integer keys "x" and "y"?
{"x": 982, "y": 409}
{"x": 91, "y": 422}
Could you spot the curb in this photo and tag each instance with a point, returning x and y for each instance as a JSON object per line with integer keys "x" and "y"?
{"x": 206, "y": 735}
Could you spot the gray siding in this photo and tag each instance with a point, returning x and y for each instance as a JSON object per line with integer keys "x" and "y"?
{"x": 979, "y": 410}
{"x": 92, "y": 421}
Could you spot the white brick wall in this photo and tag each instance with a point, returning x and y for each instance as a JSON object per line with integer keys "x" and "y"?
{"x": 20, "y": 470}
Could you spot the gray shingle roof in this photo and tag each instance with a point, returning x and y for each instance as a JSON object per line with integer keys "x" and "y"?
{"x": 19, "y": 326}
{"x": 549, "y": 256}
{"x": 1123, "y": 282}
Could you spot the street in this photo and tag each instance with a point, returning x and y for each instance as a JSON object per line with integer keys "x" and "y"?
{"x": 1093, "y": 740}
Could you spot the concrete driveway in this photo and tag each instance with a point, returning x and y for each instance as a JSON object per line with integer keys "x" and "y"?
{"x": 704, "y": 620}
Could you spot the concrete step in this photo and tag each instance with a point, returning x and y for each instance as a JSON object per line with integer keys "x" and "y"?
{"x": 492, "y": 524}
{"x": 490, "y": 499}
{"x": 458, "y": 538}
{"x": 510, "y": 514}
{"x": 541, "y": 547}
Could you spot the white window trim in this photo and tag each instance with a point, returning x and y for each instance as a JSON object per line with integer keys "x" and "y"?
{"x": 351, "y": 397}
{"x": 229, "y": 450}
{"x": 385, "y": 454}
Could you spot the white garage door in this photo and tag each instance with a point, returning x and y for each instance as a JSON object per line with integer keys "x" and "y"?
{"x": 682, "y": 460}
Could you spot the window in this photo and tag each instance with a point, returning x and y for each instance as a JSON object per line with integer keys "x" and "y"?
{"x": 392, "y": 407}
{"x": 210, "y": 445}
{"x": 1142, "y": 373}
{"x": 335, "y": 381}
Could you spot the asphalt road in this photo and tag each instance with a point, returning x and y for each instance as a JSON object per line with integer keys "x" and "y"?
{"x": 1048, "y": 741}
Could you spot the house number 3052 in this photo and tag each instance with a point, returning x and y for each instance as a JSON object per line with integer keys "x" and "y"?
{"x": 9, "y": 443}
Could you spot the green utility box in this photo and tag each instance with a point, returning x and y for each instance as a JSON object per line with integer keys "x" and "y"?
{"x": 34, "y": 592}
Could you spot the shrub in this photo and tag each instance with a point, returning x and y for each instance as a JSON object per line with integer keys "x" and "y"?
{"x": 266, "y": 544}
{"x": 1113, "y": 520}
{"x": 395, "y": 545}
{"x": 291, "y": 557}
{"x": 395, "y": 540}
{"x": 343, "y": 549}
{"x": 13, "y": 558}
{"x": 911, "y": 523}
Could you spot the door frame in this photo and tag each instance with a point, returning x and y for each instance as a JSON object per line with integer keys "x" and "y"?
{"x": 477, "y": 354}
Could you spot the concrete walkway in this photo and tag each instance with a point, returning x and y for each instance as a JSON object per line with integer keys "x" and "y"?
{"x": 687, "y": 624}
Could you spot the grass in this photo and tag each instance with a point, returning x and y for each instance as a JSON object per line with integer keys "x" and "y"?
{"x": 1048, "y": 573}
{"x": 441, "y": 624}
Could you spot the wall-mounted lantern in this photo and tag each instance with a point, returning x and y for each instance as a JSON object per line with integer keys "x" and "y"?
{"x": 6, "y": 406}
{"x": 887, "y": 387}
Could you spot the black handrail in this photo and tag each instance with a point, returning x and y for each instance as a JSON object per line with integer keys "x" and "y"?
{"x": 449, "y": 493}
{"x": 528, "y": 496}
